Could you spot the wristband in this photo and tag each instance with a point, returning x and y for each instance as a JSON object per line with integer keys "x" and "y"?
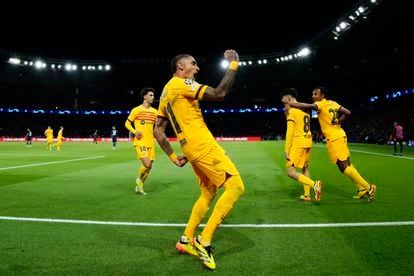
{"x": 233, "y": 65}
{"x": 173, "y": 156}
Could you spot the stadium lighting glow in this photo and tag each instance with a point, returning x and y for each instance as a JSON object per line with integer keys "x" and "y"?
{"x": 304, "y": 52}
{"x": 359, "y": 11}
{"x": 14, "y": 60}
{"x": 60, "y": 64}
{"x": 39, "y": 64}
{"x": 224, "y": 64}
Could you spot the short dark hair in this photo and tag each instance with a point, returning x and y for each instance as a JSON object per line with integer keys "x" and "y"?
{"x": 145, "y": 90}
{"x": 289, "y": 91}
{"x": 175, "y": 60}
{"x": 324, "y": 90}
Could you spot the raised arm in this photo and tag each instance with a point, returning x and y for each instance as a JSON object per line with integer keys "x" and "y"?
{"x": 222, "y": 90}
{"x": 161, "y": 137}
{"x": 304, "y": 106}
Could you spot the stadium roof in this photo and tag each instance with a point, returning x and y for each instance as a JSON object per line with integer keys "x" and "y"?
{"x": 374, "y": 57}
{"x": 149, "y": 32}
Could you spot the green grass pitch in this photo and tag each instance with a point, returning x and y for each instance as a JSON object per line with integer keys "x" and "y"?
{"x": 269, "y": 232}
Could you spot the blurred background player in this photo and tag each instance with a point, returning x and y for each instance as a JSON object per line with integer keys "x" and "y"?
{"x": 298, "y": 145}
{"x": 29, "y": 136}
{"x": 49, "y": 137}
{"x": 59, "y": 138}
{"x": 143, "y": 118}
{"x": 398, "y": 137}
{"x": 114, "y": 136}
{"x": 95, "y": 137}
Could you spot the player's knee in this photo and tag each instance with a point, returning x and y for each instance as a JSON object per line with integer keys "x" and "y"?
{"x": 342, "y": 167}
{"x": 291, "y": 174}
{"x": 205, "y": 200}
{"x": 147, "y": 164}
{"x": 235, "y": 184}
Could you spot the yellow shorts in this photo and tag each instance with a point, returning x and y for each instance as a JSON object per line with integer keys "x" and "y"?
{"x": 338, "y": 149}
{"x": 213, "y": 168}
{"x": 49, "y": 140}
{"x": 299, "y": 157}
{"x": 143, "y": 150}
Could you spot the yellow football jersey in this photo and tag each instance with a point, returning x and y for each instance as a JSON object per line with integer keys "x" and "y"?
{"x": 179, "y": 103}
{"x": 301, "y": 137}
{"x": 144, "y": 120}
{"x": 328, "y": 115}
{"x": 49, "y": 133}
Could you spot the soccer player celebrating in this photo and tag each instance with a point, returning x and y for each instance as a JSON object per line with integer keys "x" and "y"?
{"x": 298, "y": 146}
{"x": 143, "y": 117}
{"x": 330, "y": 116}
{"x": 179, "y": 105}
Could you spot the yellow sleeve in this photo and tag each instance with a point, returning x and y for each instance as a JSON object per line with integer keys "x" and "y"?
{"x": 190, "y": 88}
{"x": 131, "y": 118}
{"x": 289, "y": 135}
{"x": 128, "y": 125}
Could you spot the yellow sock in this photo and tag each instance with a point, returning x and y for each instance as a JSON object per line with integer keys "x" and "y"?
{"x": 145, "y": 176}
{"x": 141, "y": 172}
{"x": 353, "y": 174}
{"x": 234, "y": 188}
{"x": 306, "y": 190}
{"x": 306, "y": 181}
{"x": 200, "y": 209}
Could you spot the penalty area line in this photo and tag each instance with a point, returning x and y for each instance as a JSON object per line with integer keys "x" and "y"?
{"x": 149, "y": 224}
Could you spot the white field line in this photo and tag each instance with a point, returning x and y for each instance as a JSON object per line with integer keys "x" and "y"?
{"x": 373, "y": 153}
{"x": 49, "y": 163}
{"x": 149, "y": 224}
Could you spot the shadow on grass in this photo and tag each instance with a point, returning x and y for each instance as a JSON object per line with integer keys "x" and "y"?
{"x": 11, "y": 179}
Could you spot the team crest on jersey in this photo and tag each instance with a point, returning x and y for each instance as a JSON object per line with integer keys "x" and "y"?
{"x": 193, "y": 84}
{"x": 142, "y": 122}
{"x": 188, "y": 81}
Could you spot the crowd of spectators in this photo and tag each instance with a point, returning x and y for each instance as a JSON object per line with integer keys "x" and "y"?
{"x": 373, "y": 122}
{"x": 370, "y": 123}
